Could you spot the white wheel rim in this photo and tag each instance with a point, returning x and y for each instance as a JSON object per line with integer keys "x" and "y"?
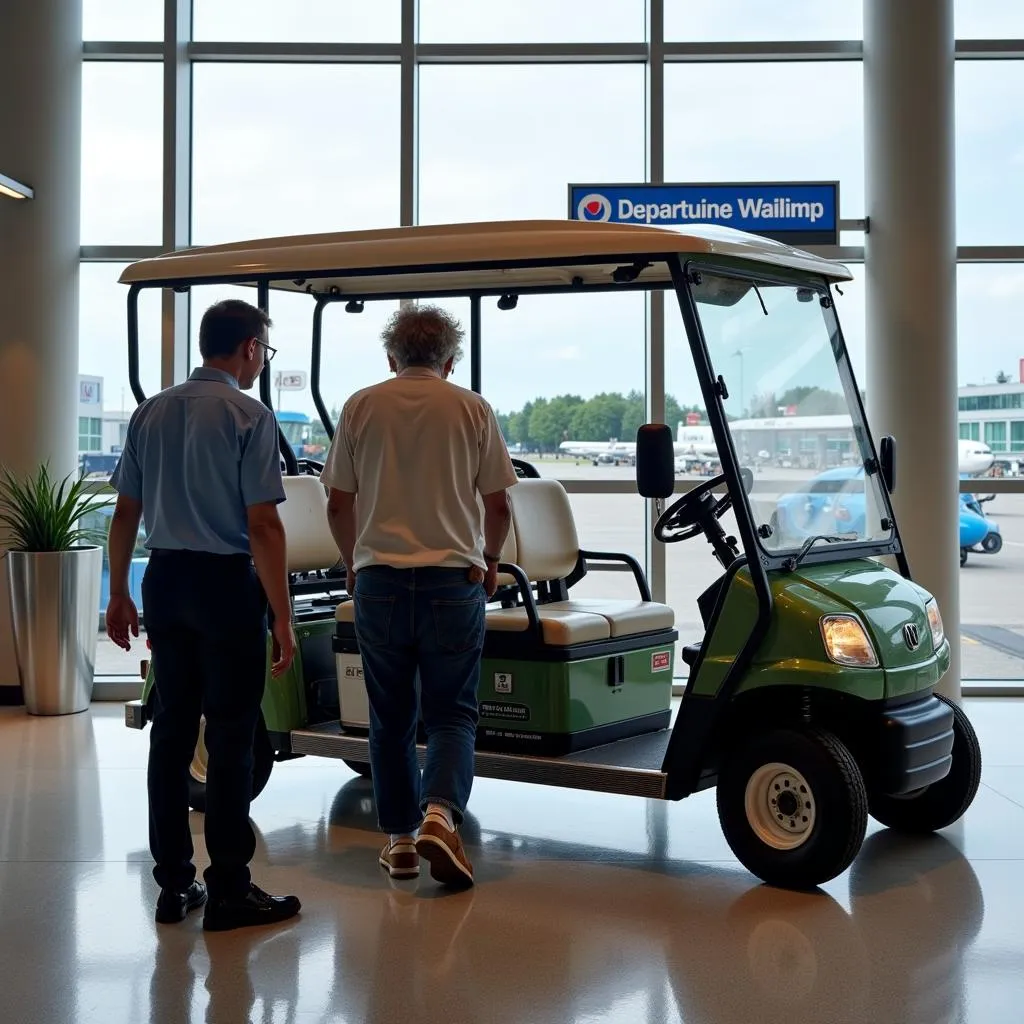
{"x": 197, "y": 769}
{"x": 780, "y": 807}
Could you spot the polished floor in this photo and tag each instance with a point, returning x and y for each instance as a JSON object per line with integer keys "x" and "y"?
{"x": 588, "y": 908}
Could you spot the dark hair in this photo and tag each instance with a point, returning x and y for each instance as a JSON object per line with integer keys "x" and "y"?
{"x": 225, "y": 325}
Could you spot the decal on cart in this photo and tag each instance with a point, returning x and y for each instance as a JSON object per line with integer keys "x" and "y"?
{"x": 503, "y": 709}
{"x": 661, "y": 661}
{"x": 502, "y": 682}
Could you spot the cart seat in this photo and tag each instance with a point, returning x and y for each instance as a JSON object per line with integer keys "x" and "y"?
{"x": 559, "y": 628}
{"x": 547, "y": 549}
{"x": 308, "y": 538}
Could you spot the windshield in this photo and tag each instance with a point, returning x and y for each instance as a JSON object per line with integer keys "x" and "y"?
{"x": 792, "y": 412}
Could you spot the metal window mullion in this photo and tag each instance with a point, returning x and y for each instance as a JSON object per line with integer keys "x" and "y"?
{"x": 302, "y": 53}
{"x": 789, "y": 50}
{"x": 655, "y": 354}
{"x": 409, "y": 119}
{"x": 120, "y": 51}
{"x": 177, "y": 183}
{"x": 531, "y": 53}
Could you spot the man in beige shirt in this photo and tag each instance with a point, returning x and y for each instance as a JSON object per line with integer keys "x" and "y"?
{"x": 417, "y": 475}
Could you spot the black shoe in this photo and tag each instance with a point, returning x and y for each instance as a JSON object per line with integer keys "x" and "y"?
{"x": 172, "y": 906}
{"x": 255, "y": 908}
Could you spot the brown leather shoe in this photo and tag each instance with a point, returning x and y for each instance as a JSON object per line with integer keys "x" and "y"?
{"x": 442, "y": 848}
{"x": 400, "y": 859}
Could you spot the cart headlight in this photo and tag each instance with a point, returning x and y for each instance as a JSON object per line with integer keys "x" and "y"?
{"x": 846, "y": 642}
{"x": 935, "y": 622}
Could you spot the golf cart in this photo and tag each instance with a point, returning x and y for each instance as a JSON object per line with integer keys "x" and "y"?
{"x": 810, "y": 697}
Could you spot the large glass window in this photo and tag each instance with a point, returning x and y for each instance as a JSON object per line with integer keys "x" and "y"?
{"x": 531, "y": 21}
{"x": 283, "y": 149}
{"x": 989, "y": 155}
{"x": 695, "y": 21}
{"x": 989, "y": 298}
{"x": 988, "y": 19}
{"x": 304, "y": 21}
{"x": 505, "y": 142}
{"x": 103, "y": 353}
{"x": 995, "y": 436}
{"x": 113, "y": 20}
{"x": 122, "y": 153}
{"x": 752, "y": 122}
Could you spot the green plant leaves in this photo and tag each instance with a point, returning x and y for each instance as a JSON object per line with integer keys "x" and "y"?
{"x": 41, "y": 514}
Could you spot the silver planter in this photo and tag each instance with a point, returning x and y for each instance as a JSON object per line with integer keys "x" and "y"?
{"x": 54, "y": 597}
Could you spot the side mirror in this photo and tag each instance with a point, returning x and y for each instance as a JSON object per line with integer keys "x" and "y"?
{"x": 988, "y": 497}
{"x": 887, "y": 458}
{"x": 655, "y": 461}
{"x": 747, "y": 476}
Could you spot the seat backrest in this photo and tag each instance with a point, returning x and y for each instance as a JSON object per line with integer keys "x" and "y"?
{"x": 308, "y": 537}
{"x": 547, "y": 546}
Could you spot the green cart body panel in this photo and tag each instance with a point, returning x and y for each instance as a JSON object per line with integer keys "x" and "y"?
{"x": 793, "y": 651}
{"x": 560, "y": 706}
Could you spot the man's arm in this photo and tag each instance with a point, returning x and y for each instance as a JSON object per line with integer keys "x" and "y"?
{"x": 269, "y": 555}
{"x": 341, "y": 517}
{"x": 497, "y": 519}
{"x": 124, "y": 531}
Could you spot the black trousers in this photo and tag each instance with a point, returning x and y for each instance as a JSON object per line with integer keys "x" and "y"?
{"x": 206, "y": 620}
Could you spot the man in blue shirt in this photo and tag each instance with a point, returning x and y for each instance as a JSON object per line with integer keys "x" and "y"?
{"x": 201, "y": 466}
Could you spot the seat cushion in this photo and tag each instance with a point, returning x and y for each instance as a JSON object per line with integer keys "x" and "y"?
{"x": 559, "y": 628}
{"x": 310, "y": 544}
{"x": 625, "y": 618}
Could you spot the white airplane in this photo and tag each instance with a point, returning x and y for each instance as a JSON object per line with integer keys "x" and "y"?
{"x": 691, "y": 442}
{"x": 975, "y": 458}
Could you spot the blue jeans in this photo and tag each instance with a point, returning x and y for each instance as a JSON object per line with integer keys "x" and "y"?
{"x": 429, "y": 620}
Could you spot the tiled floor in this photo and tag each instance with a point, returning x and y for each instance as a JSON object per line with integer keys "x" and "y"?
{"x": 588, "y": 908}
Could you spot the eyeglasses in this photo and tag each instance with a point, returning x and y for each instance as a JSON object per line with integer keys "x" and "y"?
{"x": 271, "y": 351}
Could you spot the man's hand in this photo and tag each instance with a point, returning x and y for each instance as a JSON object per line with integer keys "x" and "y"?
{"x": 122, "y": 617}
{"x": 284, "y": 646}
{"x": 488, "y": 577}
{"x": 350, "y": 582}
{"x": 491, "y": 579}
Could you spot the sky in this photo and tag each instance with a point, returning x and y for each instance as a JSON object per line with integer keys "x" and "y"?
{"x": 281, "y": 149}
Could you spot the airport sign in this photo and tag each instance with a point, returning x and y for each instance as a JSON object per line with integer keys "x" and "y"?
{"x": 801, "y": 213}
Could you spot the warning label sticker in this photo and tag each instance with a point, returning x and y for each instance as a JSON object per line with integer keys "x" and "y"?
{"x": 502, "y": 709}
{"x": 502, "y": 682}
{"x": 661, "y": 661}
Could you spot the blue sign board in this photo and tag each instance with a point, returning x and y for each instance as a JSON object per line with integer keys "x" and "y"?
{"x": 802, "y": 213}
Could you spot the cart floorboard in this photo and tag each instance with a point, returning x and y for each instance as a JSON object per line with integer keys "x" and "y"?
{"x": 631, "y": 767}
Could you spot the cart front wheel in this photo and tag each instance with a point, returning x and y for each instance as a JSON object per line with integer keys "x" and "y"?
{"x": 793, "y": 807}
{"x": 945, "y": 801}
{"x": 993, "y": 543}
{"x": 262, "y": 765}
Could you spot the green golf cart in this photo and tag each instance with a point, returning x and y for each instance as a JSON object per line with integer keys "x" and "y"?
{"x": 810, "y": 699}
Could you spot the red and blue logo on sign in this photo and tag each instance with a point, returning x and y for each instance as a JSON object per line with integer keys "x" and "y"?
{"x": 594, "y": 207}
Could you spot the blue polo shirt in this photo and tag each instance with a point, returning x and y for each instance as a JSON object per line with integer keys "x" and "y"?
{"x": 197, "y": 455}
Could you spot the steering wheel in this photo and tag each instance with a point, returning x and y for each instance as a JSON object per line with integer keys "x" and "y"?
{"x": 687, "y": 517}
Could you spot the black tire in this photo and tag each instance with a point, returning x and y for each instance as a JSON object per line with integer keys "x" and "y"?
{"x": 359, "y": 767}
{"x": 262, "y": 766}
{"x": 833, "y": 806}
{"x": 943, "y": 802}
{"x": 992, "y": 544}
{"x": 963, "y": 556}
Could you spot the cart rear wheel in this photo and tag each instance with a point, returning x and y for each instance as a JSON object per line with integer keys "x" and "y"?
{"x": 793, "y": 807}
{"x": 262, "y": 765}
{"x": 963, "y": 556}
{"x": 945, "y": 801}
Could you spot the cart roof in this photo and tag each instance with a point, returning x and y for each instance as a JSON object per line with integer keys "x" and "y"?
{"x": 486, "y": 256}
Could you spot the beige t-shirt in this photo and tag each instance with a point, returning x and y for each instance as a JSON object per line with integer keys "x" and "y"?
{"x": 418, "y": 451}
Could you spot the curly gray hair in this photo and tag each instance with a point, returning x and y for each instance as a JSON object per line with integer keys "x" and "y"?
{"x": 423, "y": 336}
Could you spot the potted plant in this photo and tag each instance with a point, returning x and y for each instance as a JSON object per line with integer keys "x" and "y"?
{"x": 53, "y": 576}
